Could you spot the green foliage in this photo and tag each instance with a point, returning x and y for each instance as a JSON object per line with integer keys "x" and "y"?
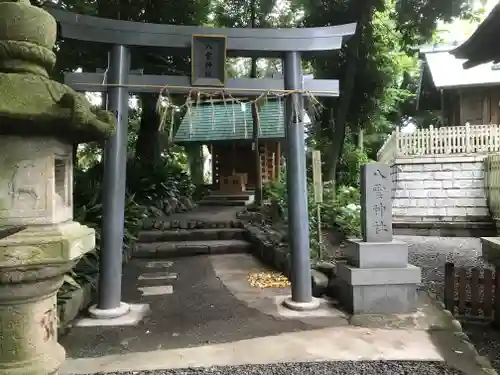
{"x": 90, "y": 56}
{"x": 418, "y": 20}
{"x": 386, "y": 67}
{"x": 350, "y": 163}
{"x": 347, "y": 214}
{"x": 340, "y": 210}
{"x": 147, "y": 189}
{"x": 276, "y": 192}
{"x": 152, "y": 185}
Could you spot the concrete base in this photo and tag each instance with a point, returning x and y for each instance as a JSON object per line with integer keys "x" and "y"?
{"x": 474, "y": 227}
{"x": 326, "y": 309}
{"x": 305, "y": 346}
{"x": 377, "y": 254}
{"x": 490, "y": 247}
{"x": 301, "y": 306}
{"x": 378, "y": 291}
{"x": 134, "y": 313}
{"x": 116, "y": 312}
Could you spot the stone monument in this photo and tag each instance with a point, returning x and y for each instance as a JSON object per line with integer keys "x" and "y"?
{"x": 377, "y": 278}
{"x": 40, "y": 120}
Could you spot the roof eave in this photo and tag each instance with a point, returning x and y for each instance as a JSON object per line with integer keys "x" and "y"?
{"x": 473, "y": 49}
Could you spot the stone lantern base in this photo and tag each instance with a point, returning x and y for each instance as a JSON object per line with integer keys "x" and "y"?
{"x": 28, "y": 315}
{"x": 32, "y": 267}
{"x": 35, "y": 194}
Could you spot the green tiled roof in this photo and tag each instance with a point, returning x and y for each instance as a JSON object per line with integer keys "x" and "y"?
{"x": 230, "y": 121}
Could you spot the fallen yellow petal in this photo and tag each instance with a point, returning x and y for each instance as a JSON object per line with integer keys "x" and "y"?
{"x": 270, "y": 279}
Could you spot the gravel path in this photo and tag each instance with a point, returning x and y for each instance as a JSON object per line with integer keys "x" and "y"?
{"x": 323, "y": 368}
{"x": 431, "y": 254}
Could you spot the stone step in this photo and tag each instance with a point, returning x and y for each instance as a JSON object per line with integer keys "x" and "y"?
{"x": 167, "y": 223}
{"x": 163, "y": 250}
{"x": 221, "y": 202}
{"x": 246, "y": 192}
{"x": 173, "y": 235}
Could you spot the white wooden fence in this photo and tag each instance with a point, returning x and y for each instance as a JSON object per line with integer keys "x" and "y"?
{"x": 468, "y": 139}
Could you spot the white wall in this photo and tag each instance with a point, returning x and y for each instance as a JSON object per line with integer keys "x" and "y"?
{"x": 439, "y": 189}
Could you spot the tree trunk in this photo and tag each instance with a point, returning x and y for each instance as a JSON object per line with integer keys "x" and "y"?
{"x": 148, "y": 138}
{"x": 361, "y": 140}
{"x": 339, "y": 126}
{"x": 196, "y": 162}
{"x": 255, "y": 133}
{"x": 255, "y": 122}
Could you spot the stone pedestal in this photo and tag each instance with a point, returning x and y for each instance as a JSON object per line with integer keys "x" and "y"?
{"x": 490, "y": 247}
{"x": 28, "y": 314}
{"x": 36, "y": 193}
{"x": 377, "y": 278}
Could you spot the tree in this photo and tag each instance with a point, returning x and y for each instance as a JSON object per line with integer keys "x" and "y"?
{"x": 254, "y": 14}
{"x": 376, "y": 67}
{"x": 73, "y": 54}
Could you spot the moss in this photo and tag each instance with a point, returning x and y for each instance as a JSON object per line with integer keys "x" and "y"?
{"x": 31, "y": 103}
{"x": 20, "y": 21}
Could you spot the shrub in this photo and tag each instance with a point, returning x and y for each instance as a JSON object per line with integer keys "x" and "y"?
{"x": 146, "y": 187}
{"x": 340, "y": 210}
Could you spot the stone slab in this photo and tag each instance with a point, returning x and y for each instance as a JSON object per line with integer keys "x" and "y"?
{"x": 316, "y": 345}
{"x": 210, "y": 234}
{"x": 158, "y": 276}
{"x": 159, "y": 264}
{"x": 190, "y": 248}
{"x": 376, "y": 214}
{"x": 39, "y": 244}
{"x": 378, "y": 290}
{"x": 156, "y": 290}
{"x": 377, "y": 254}
{"x": 378, "y": 299}
{"x": 135, "y": 315}
{"x": 379, "y": 276}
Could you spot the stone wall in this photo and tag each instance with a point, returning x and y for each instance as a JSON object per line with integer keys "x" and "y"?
{"x": 439, "y": 189}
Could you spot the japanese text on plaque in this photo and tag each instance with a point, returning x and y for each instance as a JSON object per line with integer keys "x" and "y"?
{"x": 379, "y": 206}
{"x": 208, "y": 60}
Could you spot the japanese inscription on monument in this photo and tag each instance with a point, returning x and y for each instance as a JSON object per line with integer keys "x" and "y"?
{"x": 376, "y": 210}
{"x": 208, "y": 60}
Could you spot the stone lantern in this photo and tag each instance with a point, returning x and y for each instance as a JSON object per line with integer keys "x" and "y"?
{"x": 40, "y": 120}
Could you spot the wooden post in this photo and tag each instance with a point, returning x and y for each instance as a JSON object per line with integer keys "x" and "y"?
{"x": 474, "y": 288}
{"x": 462, "y": 291}
{"x": 278, "y": 160}
{"x": 496, "y": 309}
{"x": 431, "y": 140}
{"x": 468, "y": 147}
{"x": 320, "y": 234}
{"x": 488, "y": 293}
{"x": 318, "y": 195}
{"x": 449, "y": 287}
{"x": 397, "y": 139}
{"x": 257, "y": 160}
{"x": 233, "y": 157}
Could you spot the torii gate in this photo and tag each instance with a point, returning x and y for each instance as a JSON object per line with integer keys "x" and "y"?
{"x": 209, "y": 48}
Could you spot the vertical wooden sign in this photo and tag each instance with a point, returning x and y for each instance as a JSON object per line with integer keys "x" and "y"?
{"x": 317, "y": 179}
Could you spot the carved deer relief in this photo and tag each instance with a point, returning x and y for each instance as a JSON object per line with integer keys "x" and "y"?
{"x": 17, "y": 185}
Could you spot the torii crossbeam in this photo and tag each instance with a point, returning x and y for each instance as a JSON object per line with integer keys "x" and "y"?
{"x": 209, "y": 48}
